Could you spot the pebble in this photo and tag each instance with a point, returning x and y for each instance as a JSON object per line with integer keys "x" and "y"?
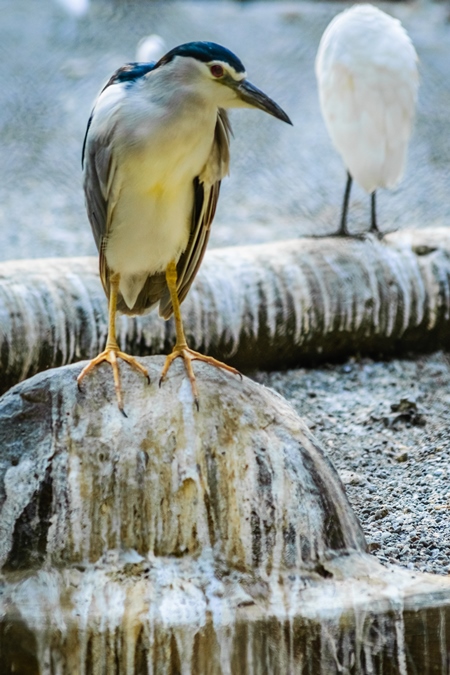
{"x": 351, "y": 477}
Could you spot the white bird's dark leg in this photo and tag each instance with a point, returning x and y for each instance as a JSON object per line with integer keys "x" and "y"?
{"x": 373, "y": 214}
{"x": 181, "y": 348}
{"x": 112, "y": 353}
{"x": 343, "y": 231}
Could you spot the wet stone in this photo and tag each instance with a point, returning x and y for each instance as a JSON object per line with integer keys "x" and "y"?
{"x": 177, "y": 536}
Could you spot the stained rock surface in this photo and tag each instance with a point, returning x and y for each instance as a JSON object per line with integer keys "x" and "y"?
{"x": 177, "y": 541}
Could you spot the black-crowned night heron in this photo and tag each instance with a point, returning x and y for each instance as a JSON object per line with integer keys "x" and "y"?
{"x": 155, "y": 152}
{"x": 367, "y": 75}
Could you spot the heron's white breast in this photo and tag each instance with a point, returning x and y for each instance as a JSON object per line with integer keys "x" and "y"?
{"x": 160, "y": 150}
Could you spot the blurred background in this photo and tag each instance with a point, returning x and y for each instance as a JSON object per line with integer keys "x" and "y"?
{"x": 285, "y": 182}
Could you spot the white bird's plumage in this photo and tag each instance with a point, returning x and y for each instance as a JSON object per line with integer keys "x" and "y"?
{"x": 367, "y": 76}
{"x": 150, "y": 48}
{"x": 75, "y": 7}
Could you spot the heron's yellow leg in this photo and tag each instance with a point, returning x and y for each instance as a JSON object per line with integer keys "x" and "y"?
{"x": 112, "y": 352}
{"x": 181, "y": 348}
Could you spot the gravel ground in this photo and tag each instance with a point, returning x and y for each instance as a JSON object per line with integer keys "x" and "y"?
{"x": 386, "y": 427}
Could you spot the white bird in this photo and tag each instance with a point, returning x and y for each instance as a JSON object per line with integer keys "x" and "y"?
{"x": 367, "y": 75}
{"x": 77, "y": 8}
{"x": 150, "y": 48}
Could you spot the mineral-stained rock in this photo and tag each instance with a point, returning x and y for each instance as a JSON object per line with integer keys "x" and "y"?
{"x": 177, "y": 541}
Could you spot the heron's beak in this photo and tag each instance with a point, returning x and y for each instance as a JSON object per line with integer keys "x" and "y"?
{"x": 256, "y": 98}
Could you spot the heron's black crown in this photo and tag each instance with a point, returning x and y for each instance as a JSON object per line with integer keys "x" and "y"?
{"x": 130, "y": 72}
{"x": 206, "y": 52}
{"x": 202, "y": 51}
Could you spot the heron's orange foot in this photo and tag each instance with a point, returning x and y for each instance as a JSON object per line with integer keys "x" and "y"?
{"x": 188, "y": 355}
{"x": 111, "y": 355}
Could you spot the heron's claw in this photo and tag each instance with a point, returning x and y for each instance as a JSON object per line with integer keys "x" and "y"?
{"x": 189, "y": 355}
{"x": 111, "y": 355}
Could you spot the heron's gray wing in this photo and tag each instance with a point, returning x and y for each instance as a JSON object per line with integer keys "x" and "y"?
{"x": 98, "y": 167}
{"x": 98, "y": 163}
{"x": 206, "y": 194}
{"x": 191, "y": 259}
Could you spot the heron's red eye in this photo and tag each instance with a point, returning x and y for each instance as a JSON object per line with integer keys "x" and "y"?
{"x": 216, "y": 71}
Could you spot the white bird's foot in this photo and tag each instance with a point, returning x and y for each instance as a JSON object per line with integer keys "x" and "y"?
{"x": 360, "y": 236}
{"x": 344, "y": 234}
{"x": 376, "y": 234}
{"x": 111, "y": 356}
{"x": 189, "y": 355}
